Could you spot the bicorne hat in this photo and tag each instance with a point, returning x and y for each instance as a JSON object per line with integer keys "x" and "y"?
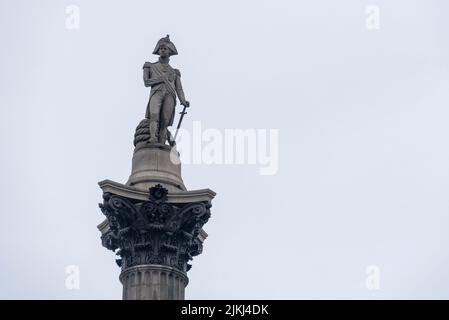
{"x": 168, "y": 43}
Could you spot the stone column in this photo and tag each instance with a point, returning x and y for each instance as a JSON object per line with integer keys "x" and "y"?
{"x": 154, "y": 234}
{"x": 153, "y": 223}
{"x": 153, "y": 282}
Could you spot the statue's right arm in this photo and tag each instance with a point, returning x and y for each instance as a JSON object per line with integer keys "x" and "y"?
{"x": 147, "y": 76}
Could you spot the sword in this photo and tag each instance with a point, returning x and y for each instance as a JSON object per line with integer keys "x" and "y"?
{"x": 182, "y": 113}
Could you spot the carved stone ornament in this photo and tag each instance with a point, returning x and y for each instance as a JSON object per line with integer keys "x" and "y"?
{"x": 153, "y": 231}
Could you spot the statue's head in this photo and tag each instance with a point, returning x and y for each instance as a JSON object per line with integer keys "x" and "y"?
{"x": 165, "y": 47}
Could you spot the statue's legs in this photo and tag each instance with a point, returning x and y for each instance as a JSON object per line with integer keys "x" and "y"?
{"x": 168, "y": 107}
{"x": 153, "y": 113}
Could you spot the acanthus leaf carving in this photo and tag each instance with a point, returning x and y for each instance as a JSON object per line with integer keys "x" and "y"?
{"x": 153, "y": 231}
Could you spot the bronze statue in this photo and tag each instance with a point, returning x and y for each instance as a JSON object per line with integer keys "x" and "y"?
{"x": 165, "y": 83}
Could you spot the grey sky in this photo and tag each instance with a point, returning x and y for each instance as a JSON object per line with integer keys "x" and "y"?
{"x": 364, "y": 142}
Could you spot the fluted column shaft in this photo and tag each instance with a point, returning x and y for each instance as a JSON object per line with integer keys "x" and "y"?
{"x": 153, "y": 282}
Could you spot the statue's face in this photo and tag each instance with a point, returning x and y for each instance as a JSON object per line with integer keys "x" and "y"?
{"x": 164, "y": 51}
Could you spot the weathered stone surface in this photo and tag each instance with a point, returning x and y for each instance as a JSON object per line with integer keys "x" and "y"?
{"x": 165, "y": 83}
{"x": 153, "y": 282}
{"x": 172, "y": 197}
{"x": 153, "y": 223}
{"x": 154, "y": 232}
{"x": 156, "y": 164}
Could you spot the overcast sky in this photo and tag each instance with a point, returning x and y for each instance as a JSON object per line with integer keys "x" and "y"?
{"x": 362, "y": 115}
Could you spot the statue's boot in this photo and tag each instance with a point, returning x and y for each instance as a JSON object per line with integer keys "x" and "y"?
{"x": 170, "y": 138}
{"x": 163, "y": 134}
{"x": 153, "y": 131}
